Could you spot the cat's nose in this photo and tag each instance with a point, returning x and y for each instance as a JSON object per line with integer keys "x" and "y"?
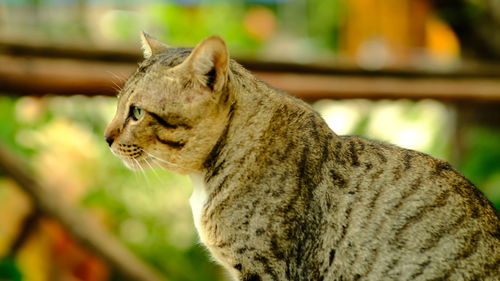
{"x": 109, "y": 140}
{"x": 111, "y": 132}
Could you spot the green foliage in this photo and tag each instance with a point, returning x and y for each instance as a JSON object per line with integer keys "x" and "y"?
{"x": 481, "y": 163}
{"x": 185, "y": 26}
{"x": 9, "y": 270}
{"x": 421, "y": 126}
{"x": 7, "y": 113}
{"x": 325, "y": 21}
{"x": 482, "y": 159}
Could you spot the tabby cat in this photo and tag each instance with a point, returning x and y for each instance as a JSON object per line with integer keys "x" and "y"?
{"x": 279, "y": 196}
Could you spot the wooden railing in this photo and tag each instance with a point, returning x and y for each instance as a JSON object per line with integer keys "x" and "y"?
{"x": 35, "y": 70}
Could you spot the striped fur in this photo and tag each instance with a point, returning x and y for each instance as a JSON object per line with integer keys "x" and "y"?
{"x": 282, "y": 197}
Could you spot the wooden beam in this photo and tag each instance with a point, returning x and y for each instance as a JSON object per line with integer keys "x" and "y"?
{"x": 321, "y": 86}
{"x": 62, "y": 76}
{"x": 24, "y": 75}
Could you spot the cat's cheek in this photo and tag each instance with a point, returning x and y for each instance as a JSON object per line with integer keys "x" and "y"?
{"x": 174, "y": 166}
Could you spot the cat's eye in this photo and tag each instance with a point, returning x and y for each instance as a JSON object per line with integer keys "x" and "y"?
{"x": 136, "y": 113}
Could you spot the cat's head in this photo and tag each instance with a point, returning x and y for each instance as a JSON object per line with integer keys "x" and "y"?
{"x": 173, "y": 109}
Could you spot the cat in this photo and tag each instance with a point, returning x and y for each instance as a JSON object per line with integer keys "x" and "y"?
{"x": 279, "y": 196}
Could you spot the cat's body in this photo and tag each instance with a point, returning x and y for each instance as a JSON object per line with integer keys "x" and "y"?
{"x": 279, "y": 196}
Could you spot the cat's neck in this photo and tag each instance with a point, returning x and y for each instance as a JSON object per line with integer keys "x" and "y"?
{"x": 248, "y": 117}
{"x": 255, "y": 109}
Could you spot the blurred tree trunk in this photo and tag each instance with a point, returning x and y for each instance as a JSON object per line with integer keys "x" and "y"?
{"x": 477, "y": 24}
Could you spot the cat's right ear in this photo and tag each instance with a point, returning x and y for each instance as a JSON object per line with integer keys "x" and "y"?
{"x": 208, "y": 63}
{"x": 152, "y": 46}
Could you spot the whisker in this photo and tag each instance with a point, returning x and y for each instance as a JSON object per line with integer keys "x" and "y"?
{"x": 162, "y": 160}
{"x": 136, "y": 176}
{"x": 142, "y": 171}
{"x": 117, "y": 76}
{"x": 150, "y": 189}
{"x": 116, "y": 87}
{"x": 153, "y": 169}
{"x": 149, "y": 164}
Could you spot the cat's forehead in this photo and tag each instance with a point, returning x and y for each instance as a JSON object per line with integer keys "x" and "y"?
{"x": 149, "y": 72}
{"x": 168, "y": 59}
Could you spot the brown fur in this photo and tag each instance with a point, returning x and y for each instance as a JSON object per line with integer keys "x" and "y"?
{"x": 279, "y": 196}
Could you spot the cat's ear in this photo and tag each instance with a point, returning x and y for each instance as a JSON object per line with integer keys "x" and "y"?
{"x": 152, "y": 46}
{"x": 208, "y": 63}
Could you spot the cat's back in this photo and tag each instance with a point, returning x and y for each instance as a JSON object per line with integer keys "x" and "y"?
{"x": 408, "y": 216}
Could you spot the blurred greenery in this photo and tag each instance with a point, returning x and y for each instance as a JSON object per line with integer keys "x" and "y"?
{"x": 223, "y": 19}
{"x": 340, "y": 31}
{"x": 423, "y": 125}
{"x": 9, "y": 270}
{"x": 326, "y": 20}
{"x": 481, "y": 162}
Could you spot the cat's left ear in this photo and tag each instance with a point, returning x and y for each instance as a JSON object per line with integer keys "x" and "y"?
{"x": 152, "y": 46}
{"x": 208, "y": 63}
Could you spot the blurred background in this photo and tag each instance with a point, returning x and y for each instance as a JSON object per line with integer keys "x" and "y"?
{"x": 422, "y": 74}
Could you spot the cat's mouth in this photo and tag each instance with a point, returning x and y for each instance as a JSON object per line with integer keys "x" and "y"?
{"x": 134, "y": 157}
{"x": 128, "y": 151}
